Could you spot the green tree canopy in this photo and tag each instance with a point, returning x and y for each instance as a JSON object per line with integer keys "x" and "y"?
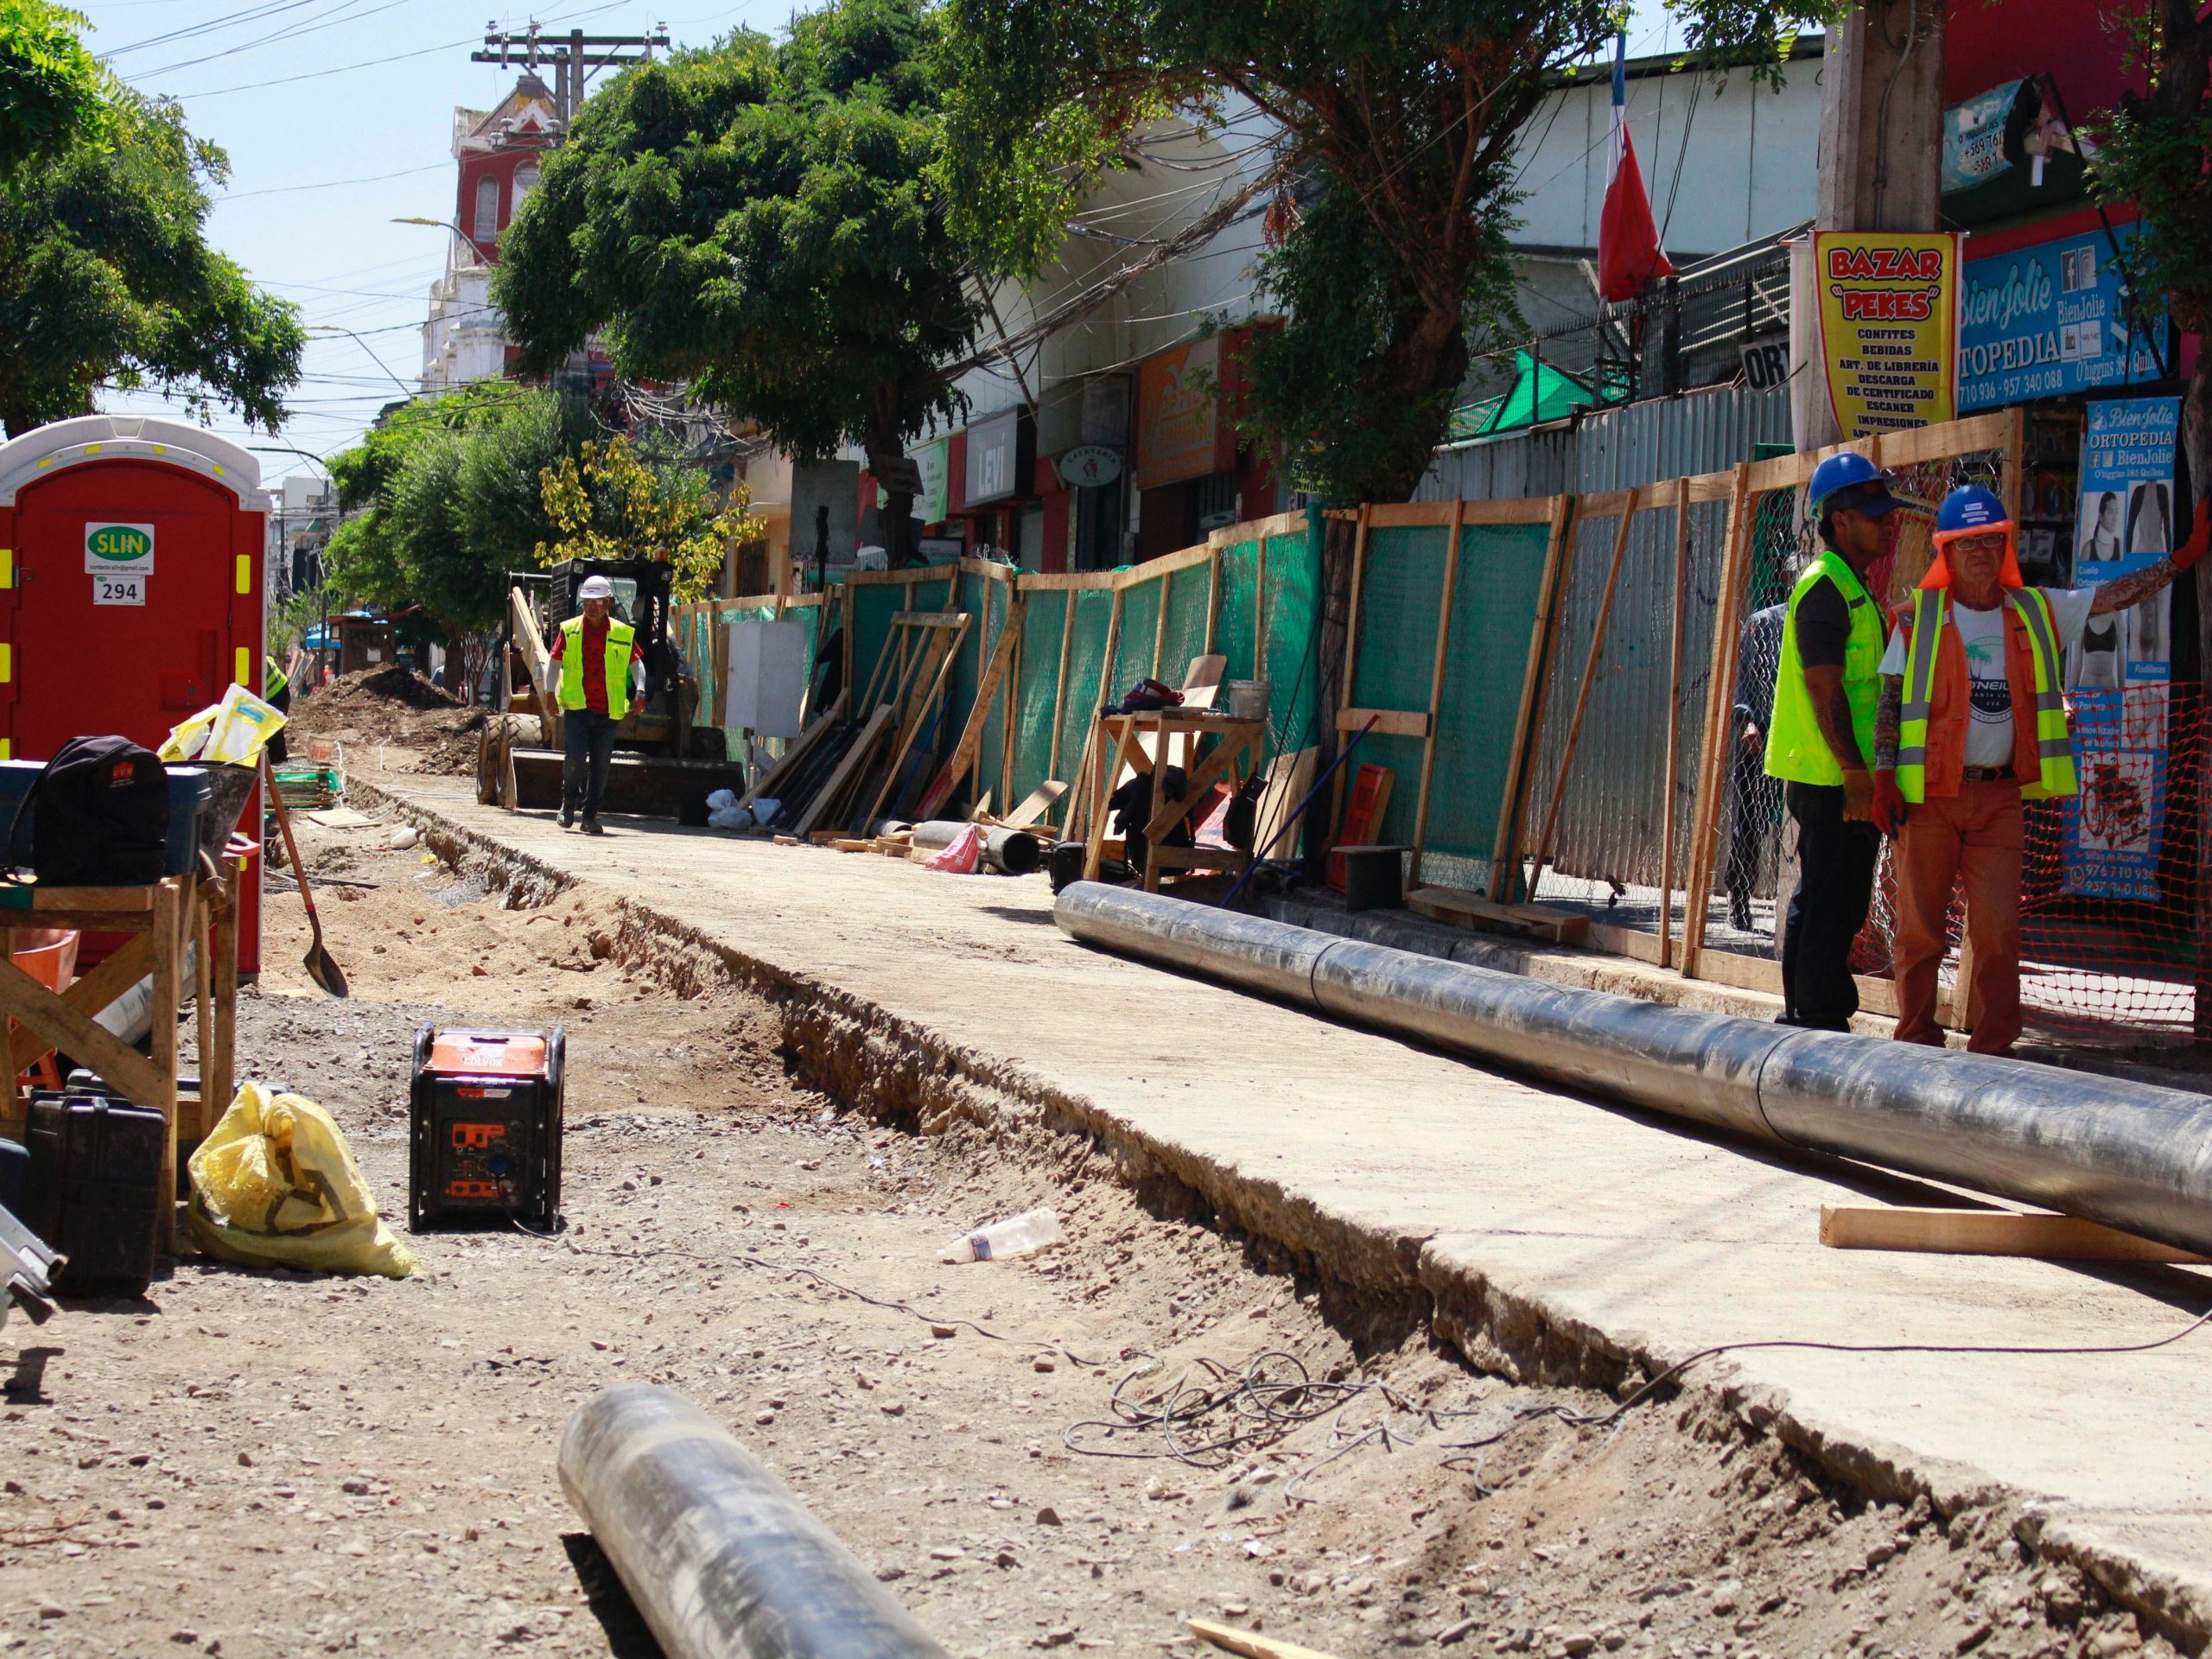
{"x": 764, "y": 223}
{"x": 1397, "y": 126}
{"x": 444, "y": 497}
{"x": 53, "y": 94}
{"x": 106, "y": 279}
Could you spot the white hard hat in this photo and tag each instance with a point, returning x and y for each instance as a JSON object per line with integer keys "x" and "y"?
{"x": 596, "y": 587}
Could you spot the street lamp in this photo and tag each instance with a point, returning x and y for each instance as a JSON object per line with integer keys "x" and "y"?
{"x": 444, "y": 224}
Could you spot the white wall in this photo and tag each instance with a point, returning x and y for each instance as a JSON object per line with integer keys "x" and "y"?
{"x": 1749, "y": 168}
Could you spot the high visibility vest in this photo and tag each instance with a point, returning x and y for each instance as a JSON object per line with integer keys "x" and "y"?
{"x": 620, "y": 639}
{"x": 1795, "y": 750}
{"x": 273, "y": 677}
{"x": 2053, "y": 745}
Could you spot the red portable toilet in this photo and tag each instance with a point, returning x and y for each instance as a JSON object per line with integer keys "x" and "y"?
{"x": 131, "y": 589}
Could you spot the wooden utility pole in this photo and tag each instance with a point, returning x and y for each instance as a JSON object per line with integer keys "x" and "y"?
{"x": 1880, "y": 165}
{"x": 572, "y": 57}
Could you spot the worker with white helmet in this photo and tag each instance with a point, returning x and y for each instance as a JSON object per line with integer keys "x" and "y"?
{"x": 590, "y": 674}
{"x": 1972, "y": 721}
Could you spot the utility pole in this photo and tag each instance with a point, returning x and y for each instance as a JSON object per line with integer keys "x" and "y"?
{"x": 1880, "y": 164}
{"x": 572, "y": 57}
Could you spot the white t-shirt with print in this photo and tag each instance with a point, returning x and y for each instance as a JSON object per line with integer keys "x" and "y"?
{"x": 1989, "y": 738}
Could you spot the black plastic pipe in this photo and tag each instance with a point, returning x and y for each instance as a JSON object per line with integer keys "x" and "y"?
{"x": 1010, "y": 852}
{"x": 2129, "y": 1155}
{"x": 719, "y": 1557}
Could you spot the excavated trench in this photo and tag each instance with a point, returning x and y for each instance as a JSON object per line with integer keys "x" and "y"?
{"x": 1873, "y": 1553}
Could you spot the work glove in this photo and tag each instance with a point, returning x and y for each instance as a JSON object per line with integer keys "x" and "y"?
{"x": 2199, "y": 540}
{"x": 1888, "y": 802}
{"x": 1858, "y": 797}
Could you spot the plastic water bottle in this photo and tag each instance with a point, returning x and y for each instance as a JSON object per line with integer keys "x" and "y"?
{"x": 1016, "y": 1236}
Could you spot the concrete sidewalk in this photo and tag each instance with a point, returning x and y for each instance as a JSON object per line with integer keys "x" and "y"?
{"x": 1555, "y": 1237}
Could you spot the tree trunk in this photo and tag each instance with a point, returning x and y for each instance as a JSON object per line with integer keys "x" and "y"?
{"x": 454, "y": 674}
{"x": 897, "y": 516}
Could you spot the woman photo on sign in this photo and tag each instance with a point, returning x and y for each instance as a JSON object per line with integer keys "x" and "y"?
{"x": 2150, "y": 520}
{"x": 2100, "y": 527}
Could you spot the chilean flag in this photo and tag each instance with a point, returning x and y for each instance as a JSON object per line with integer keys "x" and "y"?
{"x": 1628, "y": 254}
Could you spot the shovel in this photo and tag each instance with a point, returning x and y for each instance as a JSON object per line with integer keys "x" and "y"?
{"x": 320, "y": 968}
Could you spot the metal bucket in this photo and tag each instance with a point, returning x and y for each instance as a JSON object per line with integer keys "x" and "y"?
{"x": 1247, "y": 699}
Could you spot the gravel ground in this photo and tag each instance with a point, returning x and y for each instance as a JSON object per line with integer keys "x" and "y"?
{"x": 252, "y": 1463}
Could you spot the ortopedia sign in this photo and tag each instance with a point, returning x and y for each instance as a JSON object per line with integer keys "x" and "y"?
{"x": 119, "y": 558}
{"x": 1888, "y": 305}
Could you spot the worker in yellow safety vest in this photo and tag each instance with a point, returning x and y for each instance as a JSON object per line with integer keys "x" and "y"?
{"x": 589, "y": 674}
{"x": 1819, "y": 741}
{"x": 1972, "y": 721}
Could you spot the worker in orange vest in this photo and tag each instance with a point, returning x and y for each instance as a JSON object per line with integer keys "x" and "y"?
{"x": 1972, "y": 721}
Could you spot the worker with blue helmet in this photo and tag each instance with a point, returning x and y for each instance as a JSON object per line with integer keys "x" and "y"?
{"x": 1820, "y": 739}
{"x": 1972, "y": 720}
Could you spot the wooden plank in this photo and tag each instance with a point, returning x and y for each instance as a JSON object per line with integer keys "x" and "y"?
{"x": 1436, "y": 683}
{"x": 1528, "y": 724}
{"x": 1988, "y": 1233}
{"x": 1351, "y": 650}
{"x": 1060, "y": 686}
{"x": 1404, "y": 515}
{"x": 1582, "y": 696}
{"x": 1522, "y": 510}
{"x": 929, "y": 619}
{"x": 801, "y": 746}
{"x": 1213, "y": 600}
{"x": 1289, "y": 776}
{"x": 1184, "y": 558}
{"x": 123, "y": 968}
{"x": 1673, "y": 716}
{"x": 1035, "y": 804}
{"x": 1057, "y": 581}
{"x": 879, "y": 720}
{"x": 1257, "y": 529}
{"x": 57, "y": 1025}
{"x": 1715, "y": 752}
{"x": 1388, "y": 722}
{"x": 1244, "y": 738}
{"x": 1478, "y": 909}
{"x": 118, "y": 902}
{"x": 1250, "y": 1643}
{"x": 1202, "y": 680}
{"x": 919, "y": 716}
{"x": 972, "y": 737}
{"x": 1123, "y": 728}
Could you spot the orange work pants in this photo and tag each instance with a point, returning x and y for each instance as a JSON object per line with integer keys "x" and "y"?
{"x": 1974, "y": 836}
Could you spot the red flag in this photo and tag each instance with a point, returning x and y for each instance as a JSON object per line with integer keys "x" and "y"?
{"x": 1628, "y": 254}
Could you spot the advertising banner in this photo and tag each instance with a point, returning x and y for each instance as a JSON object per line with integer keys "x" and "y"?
{"x": 1889, "y": 327}
{"x": 2117, "y": 679}
{"x": 930, "y": 501}
{"x": 1176, "y": 413}
{"x": 2048, "y": 319}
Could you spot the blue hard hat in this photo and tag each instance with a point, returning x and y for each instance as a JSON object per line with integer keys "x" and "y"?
{"x": 1970, "y": 508}
{"x": 1850, "y": 471}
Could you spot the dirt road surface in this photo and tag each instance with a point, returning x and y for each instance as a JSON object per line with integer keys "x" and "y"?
{"x": 270, "y": 1464}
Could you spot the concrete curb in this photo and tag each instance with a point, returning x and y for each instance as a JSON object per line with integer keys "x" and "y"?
{"x": 899, "y": 1070}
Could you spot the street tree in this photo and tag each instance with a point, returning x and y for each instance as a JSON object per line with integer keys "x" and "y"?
{"x": 2152, "y": 153}
{"x": 1399, "y": 126}
{"x": 107, "y": 280}
{"x": 763, "y": 222}
{"x": 443, "y": 498}
{"x": 53, "y": 96}
{"x": 613, "y": 501}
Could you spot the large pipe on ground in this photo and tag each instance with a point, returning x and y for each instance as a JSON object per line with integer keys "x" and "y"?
{"x": 1010, "y": 852}
{"x": 2129, "y": 1155}
{"x": 719, "y": 1557}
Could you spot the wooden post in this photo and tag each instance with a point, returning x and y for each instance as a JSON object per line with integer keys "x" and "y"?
{"x": 1536, "y": 680}
{"x": 200, "y": 928}
{"x": 1719, "y": 698}
{"x": 218, "y": 1071}
{"x": 1582, "y": 696}
{"x": 1160, "y": 624}
{"x": 1213, "y": 596}
{"x": 1673, "y": 714}
{"x": 1017, "y": 619}
{"x": 168, "y": 921}
{"x": 1352, "y": 662}
{"x": 1260, "y": 612}
{"x": 1060, "y": 688}
{"x": 1436, "y": 685}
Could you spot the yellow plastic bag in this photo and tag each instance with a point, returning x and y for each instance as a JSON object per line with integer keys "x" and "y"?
{"x": 231, "y": 732}
{"x": 187, "y": 738}
{"x": 274, "y": 1186}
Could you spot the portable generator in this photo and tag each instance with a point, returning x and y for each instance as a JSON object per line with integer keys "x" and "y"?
{"x": 484, "y": 1148}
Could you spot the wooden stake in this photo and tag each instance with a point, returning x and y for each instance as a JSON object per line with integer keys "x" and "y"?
{"x": 1250, "y": 1643}
{"x": 1060, "y": 683}
{"x": 1536, "y": 679}
{"x": 1160, "y": 624}
{"x": 1436, "y": 687}
{"x": 1987, "y": 1233}
{"x": 1213, "y": 596}
{"x": 1351, "y": 655}
{"x": 972, "y": 738}
{"x": 1674, "y": 717}
{"x": 1582, "y": 698}
{"x": 1719, "y": 698}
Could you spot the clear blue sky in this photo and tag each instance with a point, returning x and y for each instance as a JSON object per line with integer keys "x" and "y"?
{"x": 338, "y": 117}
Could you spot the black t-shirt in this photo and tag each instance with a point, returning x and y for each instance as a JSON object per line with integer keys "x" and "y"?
{"x": 1823, "y": 625}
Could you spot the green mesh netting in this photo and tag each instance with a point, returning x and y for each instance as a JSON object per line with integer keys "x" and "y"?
{"x": 1401, "y": 595}
{"x": 1087, "y": 671}
{"x": 1492, "y": 626}
{"x": 1184, "y": 634}
{"x": 1292, "y": 641}
{"x": 1044, "y": 616}
{"x": 1236, "y": 611}
{"x": 1133, "y": 651}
